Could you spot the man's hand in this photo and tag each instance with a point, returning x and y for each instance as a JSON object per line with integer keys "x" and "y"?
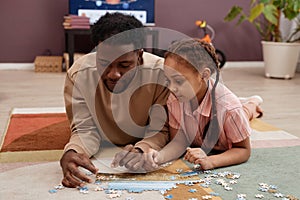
{"x": 130, "y": 157}
{"x": 70, "y": 162}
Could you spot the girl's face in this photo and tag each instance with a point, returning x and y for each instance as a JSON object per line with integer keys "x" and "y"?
{"x": 183, "y": 81}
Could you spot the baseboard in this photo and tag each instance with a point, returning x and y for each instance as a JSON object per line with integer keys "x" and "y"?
{"x": 38, "y": 110}
{"x": 229, "y": 64}
{"x": 238, "y": 64}
{"x": 16, "y": 66}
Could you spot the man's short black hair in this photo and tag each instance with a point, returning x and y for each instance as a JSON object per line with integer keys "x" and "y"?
{"x": 112, "y": 24}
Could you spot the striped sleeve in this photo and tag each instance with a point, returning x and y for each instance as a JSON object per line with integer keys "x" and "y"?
{"x": 236, "y": 126}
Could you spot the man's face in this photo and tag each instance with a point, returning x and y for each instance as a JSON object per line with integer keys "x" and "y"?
{"x": 116, "y": 65}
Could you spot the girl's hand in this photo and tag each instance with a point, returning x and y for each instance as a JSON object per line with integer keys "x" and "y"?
{"x": 204, "y": 163}
{"x": 152, "y": 160}
{"x": 193, "y": 154}
{"x": 198, "y": 156}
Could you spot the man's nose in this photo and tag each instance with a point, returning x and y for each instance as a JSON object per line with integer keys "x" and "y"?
{"x": 113, "y": 73}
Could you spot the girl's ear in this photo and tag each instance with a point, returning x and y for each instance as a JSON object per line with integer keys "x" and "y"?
{"x": 206, "y": 73}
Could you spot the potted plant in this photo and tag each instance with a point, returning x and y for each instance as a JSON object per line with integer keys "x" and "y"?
{"x": 266, "y": 16}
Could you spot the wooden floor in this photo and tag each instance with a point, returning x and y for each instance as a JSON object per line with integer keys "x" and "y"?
{"x": 26, "y": 89}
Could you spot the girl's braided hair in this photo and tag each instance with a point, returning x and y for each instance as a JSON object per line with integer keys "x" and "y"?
{"x": 199, "y": 54}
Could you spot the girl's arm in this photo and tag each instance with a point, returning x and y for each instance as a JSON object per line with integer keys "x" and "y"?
{"x": 239, "y": 153}
{"x": 174, "y": 149}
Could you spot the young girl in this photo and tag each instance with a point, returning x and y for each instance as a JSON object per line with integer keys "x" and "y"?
{"x": 203, "y": 113}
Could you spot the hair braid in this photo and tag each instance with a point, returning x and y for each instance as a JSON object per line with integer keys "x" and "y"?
{"x": 213, "y": 130}
{"x": 211, "y": 51}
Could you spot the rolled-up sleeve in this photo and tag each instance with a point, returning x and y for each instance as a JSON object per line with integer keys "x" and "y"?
{"x": 84, "y": 134}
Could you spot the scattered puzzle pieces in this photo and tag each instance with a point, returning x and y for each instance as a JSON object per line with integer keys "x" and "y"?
{"x": 129, "y": 198}
{"x": 241, "y": 197}
{"x": 278, "y": 195}
{"x": 193, "y": 190}
{"x": 52, "y": 191}
{"x": 56, "y": 188}
{"x": 83, "y": 190}
{"x": 169, "y": 196}
{"x": 207, "y": 197}
{"x": 259, "y": 196}
{"x": 175, "y": 183}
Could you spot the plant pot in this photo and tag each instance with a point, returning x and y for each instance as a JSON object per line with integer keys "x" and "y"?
{"x": 280, "y": 59}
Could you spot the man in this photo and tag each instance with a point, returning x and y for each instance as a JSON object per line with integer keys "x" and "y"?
{"x": 112, "y": 97}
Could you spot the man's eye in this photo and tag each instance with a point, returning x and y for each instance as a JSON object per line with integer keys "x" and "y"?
{"x": 125, "y": 65}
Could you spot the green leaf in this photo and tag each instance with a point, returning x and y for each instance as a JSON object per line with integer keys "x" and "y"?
{"x": 264, "y": 15}
{"x": 233, "y": 13}
{"x": 256, "y": 11}
{"x": 291, "y": 9}
{"x": 258, "y": 27}
{"x": 264, "y": 1}
{"x": 296, "y": 6}
{"x": 279, "y": 3}
{"x": 271, "y": 14}
{"x": 290, "y": 14}
{"x": 242, "y": 19}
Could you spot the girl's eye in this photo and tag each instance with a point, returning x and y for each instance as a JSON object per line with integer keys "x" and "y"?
{"x": 178, "y": 82}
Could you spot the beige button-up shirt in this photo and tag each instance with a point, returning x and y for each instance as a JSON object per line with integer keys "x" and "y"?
{"x": 134, "y": 116}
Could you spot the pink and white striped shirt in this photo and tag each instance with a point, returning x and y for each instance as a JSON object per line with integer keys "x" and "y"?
{"x": 233, "y": 123}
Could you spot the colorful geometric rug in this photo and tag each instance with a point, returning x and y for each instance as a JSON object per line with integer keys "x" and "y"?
{"x": 265, "y": 135}
{"x": 34, "y": 135}
{"x": 36, "y": 129}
